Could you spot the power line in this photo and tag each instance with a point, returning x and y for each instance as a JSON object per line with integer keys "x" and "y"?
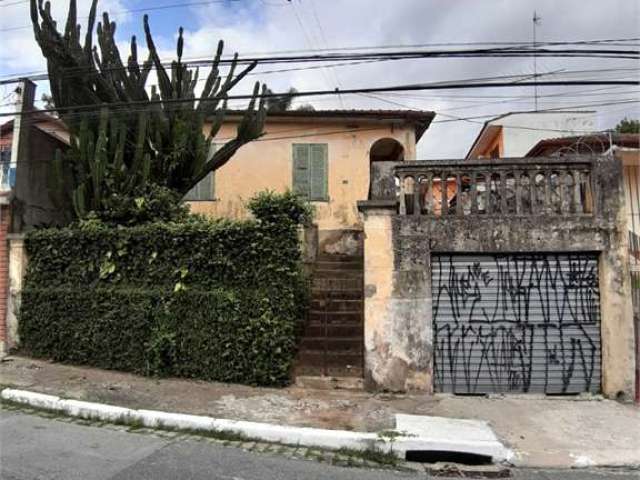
{"x": 473, "y": 119}
{"x": 132, "y": 10}
{"x": 266, "y": 138}
{"x": 554, "y": 109}
{"x": 326, "y": 45}
{"x": 397, "y": 55}
{"x": 127, "y": 106}
{"x": 308, "y": 40}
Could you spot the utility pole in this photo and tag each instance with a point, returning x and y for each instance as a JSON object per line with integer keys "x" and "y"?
{"x": 20, "y": 148}
{"x": 536, "y": 21}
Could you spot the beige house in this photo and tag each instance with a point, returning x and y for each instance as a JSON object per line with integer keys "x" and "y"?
{"x": 325, "y": 155}
{"x": 626, "y": 148}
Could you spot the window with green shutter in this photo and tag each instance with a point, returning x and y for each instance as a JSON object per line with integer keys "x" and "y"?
{"x": 310, "y": 170}
{"x": 205, "y": 189}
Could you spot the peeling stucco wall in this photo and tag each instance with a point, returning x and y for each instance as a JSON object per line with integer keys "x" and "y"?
{"x": 17, "y": 270}
{"x": 397, "y": 311}
{"x": 266, "y": 164}
{"x": 398, "y": 248}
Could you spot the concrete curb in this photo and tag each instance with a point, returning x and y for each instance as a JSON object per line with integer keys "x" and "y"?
{"x": 302, "y": 436}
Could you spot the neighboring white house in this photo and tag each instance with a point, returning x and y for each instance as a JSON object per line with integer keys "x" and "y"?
{"x": 513, "y": 134}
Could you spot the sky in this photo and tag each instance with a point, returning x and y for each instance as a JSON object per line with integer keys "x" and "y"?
{"x": 269, "y": 26}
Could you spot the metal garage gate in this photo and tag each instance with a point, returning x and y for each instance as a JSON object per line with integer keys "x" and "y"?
{"x": 516, "y": 323}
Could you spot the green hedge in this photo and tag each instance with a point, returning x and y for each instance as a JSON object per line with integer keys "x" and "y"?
{"x": 215, "y": 300}
{"x": 219, "y": 335}
{"x": 206, "y": 254}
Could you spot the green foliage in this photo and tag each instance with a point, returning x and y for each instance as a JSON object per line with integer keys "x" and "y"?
{"x": 93, "y": 178}
{"x": 281, "y": 102}
{"x": 198, "y": 253}
{"x": 216, "y": 300}
{"x": 146, "y": 204}
{"x": 627, "y": 125}
{"x": 142, "y": 137}
{"x": 273, "y": 207}
{"x": 226, "y": 335}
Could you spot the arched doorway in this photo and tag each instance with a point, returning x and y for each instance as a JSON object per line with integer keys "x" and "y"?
{"x": 386, "y": 150}
{"x": 382, "y": 155}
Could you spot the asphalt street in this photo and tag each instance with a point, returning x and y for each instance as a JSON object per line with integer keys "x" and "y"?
{"x": 33, "y": 447}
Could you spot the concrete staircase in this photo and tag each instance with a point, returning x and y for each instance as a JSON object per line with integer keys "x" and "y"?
{"x": 331, "y": 347}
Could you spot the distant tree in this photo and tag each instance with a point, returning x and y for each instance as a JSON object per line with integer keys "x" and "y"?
{"x": 306, "y": 107}
{"x": 627, "y": 125}
{"x": 280, "y": 102}
{"x": 47, "y": 101}
{"x": 128, "y": 139}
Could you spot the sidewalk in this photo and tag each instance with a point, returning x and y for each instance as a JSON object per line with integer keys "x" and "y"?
{"x": 544, "y": 432}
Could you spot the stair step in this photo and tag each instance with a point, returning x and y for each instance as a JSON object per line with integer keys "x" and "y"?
{"x": 319, "y": 358}
{"x": 326, "y": 265}
{"x": 339, "y": 305}
{"x": 326, "y": 311}
{"x": 334, "y": 317}
{"x": 333, "y": 284}
{"x": 350, "y": 381}
{"x": 334, "y": 330}
{"x": 344, "y": 294}
{"x": 338, "y": 274}
{"x": 331, "y": 345}
{"x": 327, "y": 257}
{"x": 309, "y": 371}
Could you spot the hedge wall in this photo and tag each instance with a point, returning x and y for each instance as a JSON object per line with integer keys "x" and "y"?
{"x": 215, "y": 300}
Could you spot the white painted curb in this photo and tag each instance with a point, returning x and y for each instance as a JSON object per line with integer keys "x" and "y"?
{"x": 303, "y": 436}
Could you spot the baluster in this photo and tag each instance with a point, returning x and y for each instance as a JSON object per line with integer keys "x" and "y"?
{"x": 429, "y": 194}
{"x": 488, "y": 185}
{"x": 533, "y": 191}
{"x": 416, "y": 195}
{"x": 578, "y": 206}
{"x": 547, "y": 192}
{"x": 474, "y": 193}
{"x": 518, "y": 179}
{"x": 503, "y": 193}
{"x": 444, "y": 204}
{"x": 592, "y": 193}
{"x": 403, "y": 203}
{"x": 562, "y": 177}
{"x": 459, "y": 197}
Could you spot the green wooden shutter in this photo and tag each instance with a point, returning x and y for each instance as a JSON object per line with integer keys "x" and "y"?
{"x": 301, "y": 169}
{"x": 212, "y": 187}
{"x": 319, "y": 171}
{"x": 205, "y": 189}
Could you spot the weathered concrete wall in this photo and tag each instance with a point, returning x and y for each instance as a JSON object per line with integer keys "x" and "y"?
{"x": 397, "y": 309}
{"x": 5, "y": 220}
{"x": 398, "y": 248}
{"x": 17, "y": 270}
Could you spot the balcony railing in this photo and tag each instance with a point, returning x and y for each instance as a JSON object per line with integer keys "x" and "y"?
{"x": 634, "y": 244}
{"x": 524, "y": 187}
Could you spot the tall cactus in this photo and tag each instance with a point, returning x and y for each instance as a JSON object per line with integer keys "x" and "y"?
{"x": 151, "y": 135}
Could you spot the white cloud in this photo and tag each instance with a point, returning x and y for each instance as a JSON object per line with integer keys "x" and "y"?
{"x": 251, "y": 26}
{"x": 19, "y": 52}
{"x": 350, "y": 23}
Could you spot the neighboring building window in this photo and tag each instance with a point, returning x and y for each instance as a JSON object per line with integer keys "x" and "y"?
{"x": 7, "y": 172}
{"x": 205, "y": 189}
{"x": 310, "y": 170}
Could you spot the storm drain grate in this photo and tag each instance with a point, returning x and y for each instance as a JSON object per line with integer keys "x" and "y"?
{"x": 435, "y": 456}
